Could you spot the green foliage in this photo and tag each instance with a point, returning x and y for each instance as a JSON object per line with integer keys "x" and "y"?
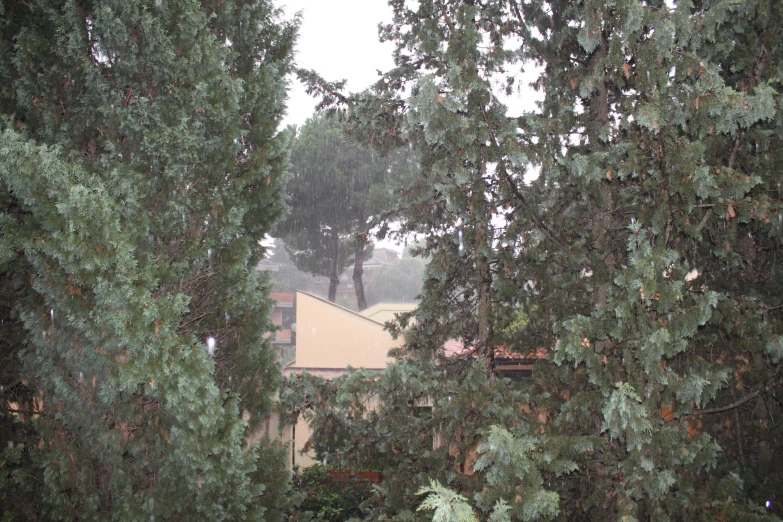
{"x": 447, "y": 505}
{"x": 279, "y": 495}
{"x": 336, "y": 190}
{"x": 625, "y": 415}
{"x": 140, "y": 166}
{"x": 504, "y": 456}
{"x": 643, "y": 257}
{"x": 331, "y": 498}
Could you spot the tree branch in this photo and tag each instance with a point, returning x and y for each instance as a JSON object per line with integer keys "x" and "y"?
{"x": 704, "y": 220}
{"x": 733, "y": 155}
{"x": 513, "y": 187}
{"x": 13, "y": 384}
{"x": 732, "y": 405}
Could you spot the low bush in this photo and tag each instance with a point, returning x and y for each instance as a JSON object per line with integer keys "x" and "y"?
{"x": 325, "y": 497}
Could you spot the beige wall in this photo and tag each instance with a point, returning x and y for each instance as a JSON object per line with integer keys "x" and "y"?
{"x": 301, "y": 434}
{"x": 329, "y": 336}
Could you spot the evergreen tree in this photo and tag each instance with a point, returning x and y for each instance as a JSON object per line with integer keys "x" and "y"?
{"x": 140, "y": 166}
{"x": 643, "y": 258}
{"x": 337, "y": 189}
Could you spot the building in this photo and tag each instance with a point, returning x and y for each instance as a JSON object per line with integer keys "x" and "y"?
{"x": 327, "y": 339}
{"x": 384, "y": 312}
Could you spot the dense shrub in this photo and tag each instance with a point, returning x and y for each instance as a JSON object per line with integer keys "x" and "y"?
{"x": 325, "y": 497}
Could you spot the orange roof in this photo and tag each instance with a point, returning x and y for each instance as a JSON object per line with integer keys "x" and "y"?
{"x": 283, "y": 297}
{"x": 502, "y": 352}
{"x": 455, "y": 348}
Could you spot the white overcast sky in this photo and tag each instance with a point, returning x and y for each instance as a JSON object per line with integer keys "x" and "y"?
{"x": 338, "y": 39}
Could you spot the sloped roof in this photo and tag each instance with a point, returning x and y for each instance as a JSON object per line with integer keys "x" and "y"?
{"x": 383, "y": 312}
{"x": 335, "y": 305}
{"x": 283, "y": 298}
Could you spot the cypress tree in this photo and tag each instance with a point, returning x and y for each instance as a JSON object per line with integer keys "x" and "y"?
{"x": 643, "y": 258}
{"x": 140, "y": 166}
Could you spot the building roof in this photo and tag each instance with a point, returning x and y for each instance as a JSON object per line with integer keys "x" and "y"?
{"x": 503, "y": 352}
{"x": 328, "y": 302}
{"x": 383, "y": 312}
{"x": 284, "y": 299}
{"x": 334, "y": 337}
{"x": 456, "y": 348}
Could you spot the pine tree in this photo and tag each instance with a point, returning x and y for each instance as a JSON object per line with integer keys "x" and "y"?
{"x": 643, "y": 257}
{"x": 337, "y": 189}
{"x": 140, "y": 167}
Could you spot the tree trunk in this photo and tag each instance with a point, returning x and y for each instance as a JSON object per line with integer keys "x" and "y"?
{"x": 484, "y": 343}
{"x": 334, "y": 277}
{"x": 358, "y": 270}
{"x": 602, "y": 211}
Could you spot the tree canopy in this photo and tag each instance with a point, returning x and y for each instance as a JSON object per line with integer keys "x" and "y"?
{"x": 140, "y": 167}
{"x": 337, "y": 188}
{"x": 643, "y": 257}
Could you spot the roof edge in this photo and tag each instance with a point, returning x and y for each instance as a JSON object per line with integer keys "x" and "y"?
{"x": 326, "y": 301}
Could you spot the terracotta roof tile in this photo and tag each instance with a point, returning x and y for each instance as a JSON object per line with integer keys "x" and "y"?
{"x": 455, "y": 348}
{"x": 282, "y": 297}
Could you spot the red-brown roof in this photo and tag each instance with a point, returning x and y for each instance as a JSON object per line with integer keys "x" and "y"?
{"x": 455, "y": 348}
{"x": 283, "y": 297}
{"x": 503, "y": 352}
